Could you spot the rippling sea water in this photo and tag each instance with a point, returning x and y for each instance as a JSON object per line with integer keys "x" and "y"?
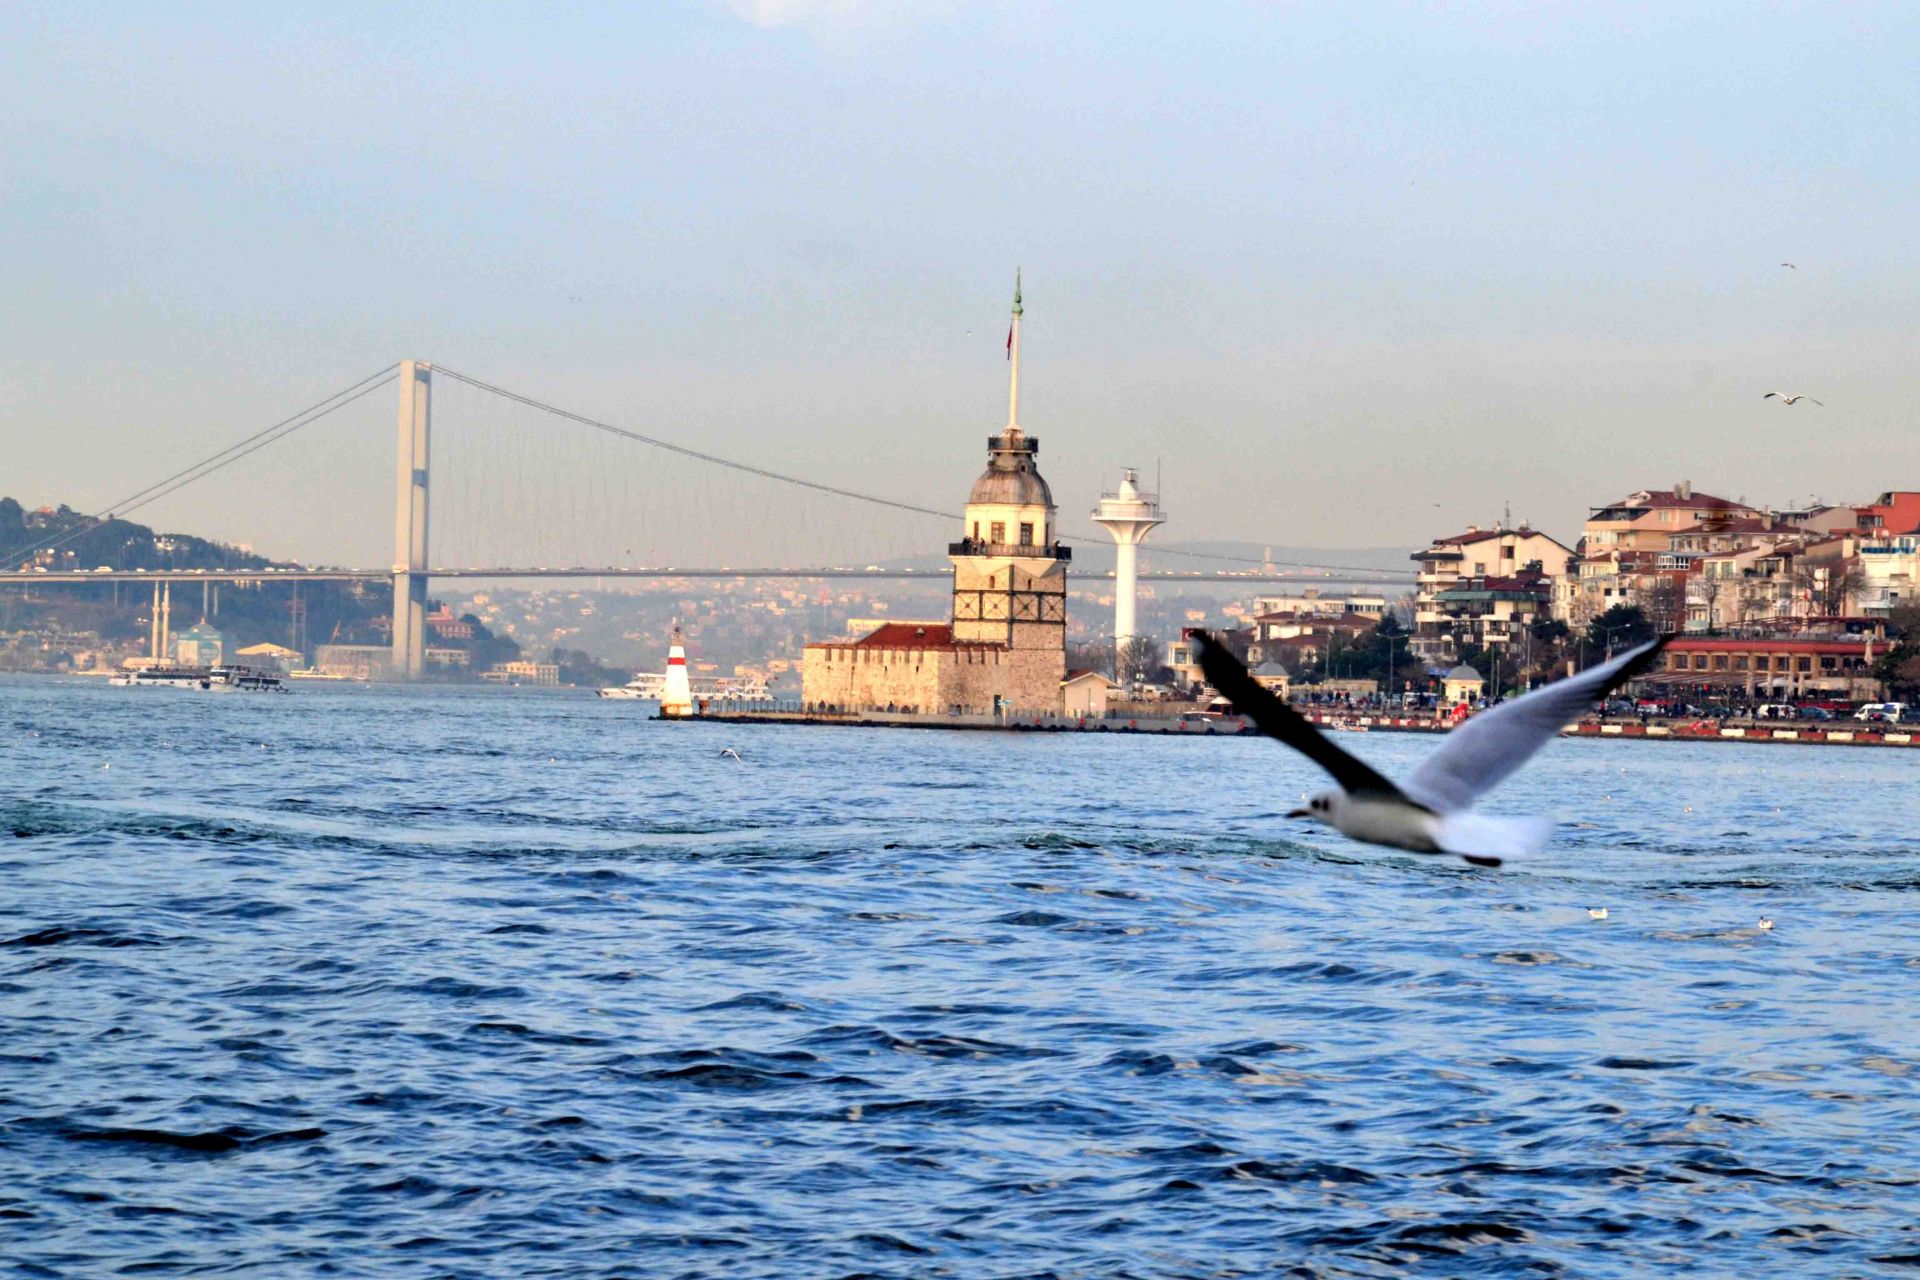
{"x": 375, "y": 983}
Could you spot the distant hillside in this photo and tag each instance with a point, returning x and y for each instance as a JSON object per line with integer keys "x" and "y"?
{"x": 116, "y": 544}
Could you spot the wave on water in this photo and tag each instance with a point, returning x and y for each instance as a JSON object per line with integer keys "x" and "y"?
{"x": 573, "y": 999}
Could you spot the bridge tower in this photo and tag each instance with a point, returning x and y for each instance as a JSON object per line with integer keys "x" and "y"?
{"x": 410, "y": 522}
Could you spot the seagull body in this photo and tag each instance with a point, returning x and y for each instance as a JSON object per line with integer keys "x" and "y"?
{"x": 729, "y": 751}
{"x": 1430, "y": 811}
{"x": 1790, "y": 400}
{"x": 1596, "y": 913}
{"x": 1765, "y": 924}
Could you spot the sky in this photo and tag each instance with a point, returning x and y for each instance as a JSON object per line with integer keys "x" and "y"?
{"x": 1343, "y": 275}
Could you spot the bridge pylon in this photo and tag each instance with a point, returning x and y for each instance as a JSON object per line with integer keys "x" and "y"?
{"x": 410, "y": 522}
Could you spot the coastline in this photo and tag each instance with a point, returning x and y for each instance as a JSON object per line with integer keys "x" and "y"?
{"x": 1234, "y": 726}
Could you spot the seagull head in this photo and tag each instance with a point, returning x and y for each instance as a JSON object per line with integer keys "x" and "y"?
{"x": 1321, "y": 807}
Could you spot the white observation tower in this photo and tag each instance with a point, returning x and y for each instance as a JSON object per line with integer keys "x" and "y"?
{"x": 1129, "y": 516}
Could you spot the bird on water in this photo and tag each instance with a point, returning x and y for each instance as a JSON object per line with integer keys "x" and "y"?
{"x": 1429, "y": 812}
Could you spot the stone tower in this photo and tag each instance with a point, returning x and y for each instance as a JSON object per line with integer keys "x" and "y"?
{"x": 1009, "y": 569}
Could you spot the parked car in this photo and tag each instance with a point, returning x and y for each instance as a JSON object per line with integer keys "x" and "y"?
{"x": 1881, "y": 712}
{"x": 1815, "y": 713}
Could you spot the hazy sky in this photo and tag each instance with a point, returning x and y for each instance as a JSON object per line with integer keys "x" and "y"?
{"x": 1358, "y": 274}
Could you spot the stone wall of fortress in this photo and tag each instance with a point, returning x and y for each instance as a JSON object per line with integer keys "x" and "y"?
{"x": 966, "y": 678}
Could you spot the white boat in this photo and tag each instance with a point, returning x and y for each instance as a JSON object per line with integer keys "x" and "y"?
{"x": 161, "y": 678}
{"x": 231, "y": 679}
{"x": 649, "y": 685}
{"x": 237, "y": 679}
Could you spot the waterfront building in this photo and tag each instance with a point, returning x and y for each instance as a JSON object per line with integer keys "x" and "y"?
{"x": 1836, "y": 665}
{"x": 355, "y": 661}
{"x": 1004, "y": 650}
{"x": 200, "y": 645}
{"x": 1493, "y": 612}
{"x": 523, "y": 671}
{"x": 270, "y": 655}
{"x": 1086, "y": 692}
{"x": 1890, "y": 572}
{"x": 1311, "y": 601}
{"x": 1275, "y": 678}
{"x": 1500, "y": 554}
{"x": 1627, "y": 552}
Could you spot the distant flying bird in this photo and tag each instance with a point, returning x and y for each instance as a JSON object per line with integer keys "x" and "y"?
{"x": 1790, "y": 400}
{"x": 1789, "y": 266}
{"x": 1429, "y": 812}
{"x": 729, "y": 751}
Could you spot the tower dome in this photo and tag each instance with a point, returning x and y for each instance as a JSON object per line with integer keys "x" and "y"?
{"x": 1011, "y": 478}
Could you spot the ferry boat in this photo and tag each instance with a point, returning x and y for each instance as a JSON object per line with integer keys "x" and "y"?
{"x": 226, "y": 679}
{"x": 238, "y": 679}
{"x": 160, "y": 677}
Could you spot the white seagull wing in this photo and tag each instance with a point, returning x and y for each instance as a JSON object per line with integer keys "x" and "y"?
{"x": 1479, "y": 754}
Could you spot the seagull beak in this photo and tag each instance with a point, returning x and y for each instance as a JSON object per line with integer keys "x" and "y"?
{"x": 1301, "y": 813}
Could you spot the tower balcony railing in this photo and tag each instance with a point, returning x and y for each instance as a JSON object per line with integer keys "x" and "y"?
{"x": 1022, "y": 550}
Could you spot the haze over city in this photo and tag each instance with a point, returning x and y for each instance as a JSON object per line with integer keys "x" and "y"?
{"x": 1353, "y": 276}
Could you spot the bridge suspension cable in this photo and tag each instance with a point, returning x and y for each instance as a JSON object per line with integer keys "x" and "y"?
{"x": 749, "y": 469}
{"x": 226, "y": 457}
{"x": 732, "y": 464}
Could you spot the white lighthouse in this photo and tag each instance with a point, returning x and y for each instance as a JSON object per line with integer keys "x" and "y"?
{"x": 1129, "y": 516}
{"x": 676, "y": 697}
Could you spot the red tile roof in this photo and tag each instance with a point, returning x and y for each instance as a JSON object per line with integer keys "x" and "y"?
{"x": 1733, "y": 644}
{"x": 907, "y": 635}
{"x": 1481, "y": 535}
{"x": 1657, "y": 498}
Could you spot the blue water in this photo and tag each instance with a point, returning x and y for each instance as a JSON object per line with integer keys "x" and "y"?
{"x": 368, "y": 983}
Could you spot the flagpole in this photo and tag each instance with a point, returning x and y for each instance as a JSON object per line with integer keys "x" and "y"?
{"x": 1013, "y": 354}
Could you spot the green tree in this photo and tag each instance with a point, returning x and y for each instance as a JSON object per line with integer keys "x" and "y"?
{"x": 1621, "y": 627}
{"x": 1142, "y": 658}
{"x": 1899, "y": 667}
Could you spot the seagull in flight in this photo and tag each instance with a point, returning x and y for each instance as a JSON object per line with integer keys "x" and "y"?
{"x": 1789, "y": 266}
{"x": 1429, "y": 812}
{"x": 729, "y": 751}
{"x": 1790, "y": 400}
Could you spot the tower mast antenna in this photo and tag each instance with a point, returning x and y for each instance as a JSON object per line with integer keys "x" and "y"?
{"x": 1013, "y": 356}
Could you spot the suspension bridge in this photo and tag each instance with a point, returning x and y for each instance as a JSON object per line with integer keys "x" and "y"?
{"x": 600, "y": 499}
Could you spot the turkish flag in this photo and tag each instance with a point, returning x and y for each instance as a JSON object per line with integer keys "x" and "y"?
{"x": 1009, "y": 342}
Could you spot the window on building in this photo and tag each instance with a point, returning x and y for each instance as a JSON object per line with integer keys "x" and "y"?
{"x": 976, "y": 531}
{"x": 1026, "y": 535}
{"x": 999, "y": 531}
{"x": 1479, "y": 568}
{"x": 1804, "y": 664}
{"x": 1719, "y": 662}
{"x": 1740, "y": 662}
